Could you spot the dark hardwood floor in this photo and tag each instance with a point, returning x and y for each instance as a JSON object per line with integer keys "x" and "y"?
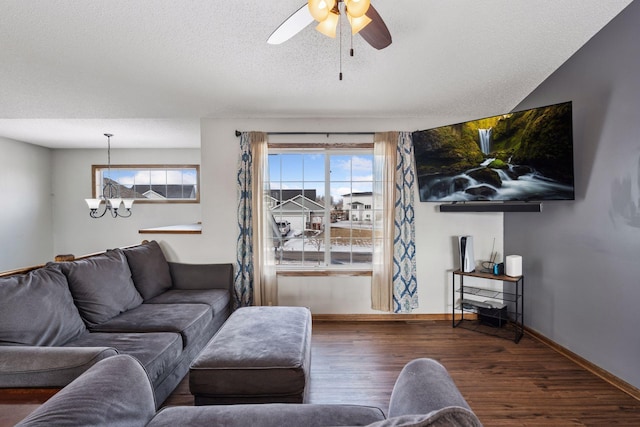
{"x": 506, "y": 384}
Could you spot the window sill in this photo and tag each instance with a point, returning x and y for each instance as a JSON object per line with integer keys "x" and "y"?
{"x": 323, "y": 273}
{"x": 174, "y": 229}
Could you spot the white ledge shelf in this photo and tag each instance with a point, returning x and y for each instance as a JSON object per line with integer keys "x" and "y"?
{"x": 174, "y": 229}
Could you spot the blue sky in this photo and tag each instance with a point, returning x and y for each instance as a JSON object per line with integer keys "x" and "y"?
{"x": 129, "y": 177}
{"x": 349, "y": 173}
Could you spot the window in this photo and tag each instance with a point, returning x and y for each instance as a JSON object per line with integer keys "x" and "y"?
{"x": 150, "y": 183}
{"x": 322, "y": 205}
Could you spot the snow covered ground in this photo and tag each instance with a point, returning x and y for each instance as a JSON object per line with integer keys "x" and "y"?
{"x": 294, "y": 241}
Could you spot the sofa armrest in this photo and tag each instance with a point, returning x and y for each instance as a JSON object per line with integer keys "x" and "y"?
{"x": 201, "y": 276}
{"x": 43, "y": 367}
{"x": 423, "y": 386}
{"x": 114, "y": 392}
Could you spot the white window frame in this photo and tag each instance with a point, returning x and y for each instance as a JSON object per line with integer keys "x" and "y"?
{"x": 325, "y": 268}
{"x": 98, "y": 171}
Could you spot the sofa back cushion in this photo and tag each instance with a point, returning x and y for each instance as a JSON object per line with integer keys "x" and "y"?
{"x": 101, "y": 286}
{"x": 36, "y": 309}
{"x": 149, "y": 269}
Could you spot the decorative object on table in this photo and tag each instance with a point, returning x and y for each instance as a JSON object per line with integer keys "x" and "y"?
{"x": 513, "y": 265}
{"x": 467, "y": 260}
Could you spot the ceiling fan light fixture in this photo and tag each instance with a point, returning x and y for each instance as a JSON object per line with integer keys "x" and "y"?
{"x": 357, "y": 8}
{"x": 358, "y": 24}
{"x": 320, "y": 9}
{"x": 328, "y": 26}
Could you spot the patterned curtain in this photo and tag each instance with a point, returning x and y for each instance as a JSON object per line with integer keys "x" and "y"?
{"x": 254, "y": 282}
{"x": 405, "y": 285}
{"x": 243, "y": 282}
{"x": 394, "y": 285}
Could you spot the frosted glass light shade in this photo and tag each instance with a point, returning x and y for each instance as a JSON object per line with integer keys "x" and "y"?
{"x": 357, "y": 8}
{"x": 115, "y": 203}
{"x": 319, "y": 9}
{"x": 93, "y": 203}
{"x": 329, "y": 25}
{"x": 128, "y": 203}
{"x": 358, "y": 23}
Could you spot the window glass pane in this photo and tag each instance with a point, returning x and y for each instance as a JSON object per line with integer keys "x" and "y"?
{"x": 149, "y": 183}
{"x": 351, "y": 185}
{"x": 291, "y": 167}
{"x": 313, "y": 167}
{"x": 315, "y": 229}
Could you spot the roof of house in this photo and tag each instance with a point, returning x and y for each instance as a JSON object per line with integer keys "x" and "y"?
{"x": 298, "y": 204}
{"x": 285, "y": 194}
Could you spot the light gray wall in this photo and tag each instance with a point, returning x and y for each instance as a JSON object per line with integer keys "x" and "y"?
{"x": 74, "y": 232}
{"x": 25, "y": 205}
{"x": 582, "y": 259}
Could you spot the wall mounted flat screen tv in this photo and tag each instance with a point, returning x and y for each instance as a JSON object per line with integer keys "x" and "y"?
{"x": 520, "y": 156}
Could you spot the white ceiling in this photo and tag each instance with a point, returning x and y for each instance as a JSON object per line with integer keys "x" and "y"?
{"x": 147, "y": 71}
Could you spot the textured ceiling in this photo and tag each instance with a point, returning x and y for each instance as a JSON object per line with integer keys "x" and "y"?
{"x": 147, "y": 71}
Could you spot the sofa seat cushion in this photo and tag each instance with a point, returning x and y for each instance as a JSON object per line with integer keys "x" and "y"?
{"x": 217, "y": 299}
{"x": 157, "y": 351}
{"x": 267, "y": 415}
{"x": 37, "y": 309}
{"x": 101, "y": 286}
{"x": 189, "y": 320}
{"x": 43, "y": 367}
{"x": 149, "y": 269}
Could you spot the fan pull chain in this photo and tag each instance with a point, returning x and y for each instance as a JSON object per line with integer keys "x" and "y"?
{"x": 351, "y": 51}
{"x": 340, "y": 23}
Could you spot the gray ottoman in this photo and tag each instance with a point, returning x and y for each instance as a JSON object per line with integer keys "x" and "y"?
{"x": 259, "y": 355}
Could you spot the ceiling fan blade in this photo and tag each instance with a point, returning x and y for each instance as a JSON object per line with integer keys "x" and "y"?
{"x": 291, "y": 26}
{"x": 376, "y": 33}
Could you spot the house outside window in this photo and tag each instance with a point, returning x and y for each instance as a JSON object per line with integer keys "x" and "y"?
{"x": 360, "y": 205}
{"x": 313, "y": 203}
{"x": 150, "y": 183}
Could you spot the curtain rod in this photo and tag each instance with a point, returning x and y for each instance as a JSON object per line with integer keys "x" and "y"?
{"x": 238, "y": 133}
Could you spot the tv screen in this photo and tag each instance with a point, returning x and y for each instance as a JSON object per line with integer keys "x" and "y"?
{"x": 521, "y": 156}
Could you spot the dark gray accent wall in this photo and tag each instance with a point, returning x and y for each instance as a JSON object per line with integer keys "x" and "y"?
{"x": 581, "y": 259}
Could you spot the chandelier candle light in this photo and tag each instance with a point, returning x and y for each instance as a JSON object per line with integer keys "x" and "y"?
{"x": 110, "y": 195}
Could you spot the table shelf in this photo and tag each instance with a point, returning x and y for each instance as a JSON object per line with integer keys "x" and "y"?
{"x": 496, "y": 312}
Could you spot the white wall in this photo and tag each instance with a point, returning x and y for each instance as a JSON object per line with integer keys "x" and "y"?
{"x": 435, "y": 231}
{"x": 25, "y": 205}
{"x": 582, "y": 259}
{"x": 76, "y": 233}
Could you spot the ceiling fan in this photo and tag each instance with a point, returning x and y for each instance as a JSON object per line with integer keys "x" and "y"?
{"x": 362, "y": 16}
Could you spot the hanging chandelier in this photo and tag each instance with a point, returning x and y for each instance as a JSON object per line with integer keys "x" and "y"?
{"x": 327, "y": 13}
{"x": 113, "y": 203}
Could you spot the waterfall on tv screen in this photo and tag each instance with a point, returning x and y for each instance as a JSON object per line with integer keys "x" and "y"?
{"x": 485, "y": 140}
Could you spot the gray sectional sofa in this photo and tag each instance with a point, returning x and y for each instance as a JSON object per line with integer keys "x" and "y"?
{"x": 58, "y": 320}
{"x": 424, "y": 395}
